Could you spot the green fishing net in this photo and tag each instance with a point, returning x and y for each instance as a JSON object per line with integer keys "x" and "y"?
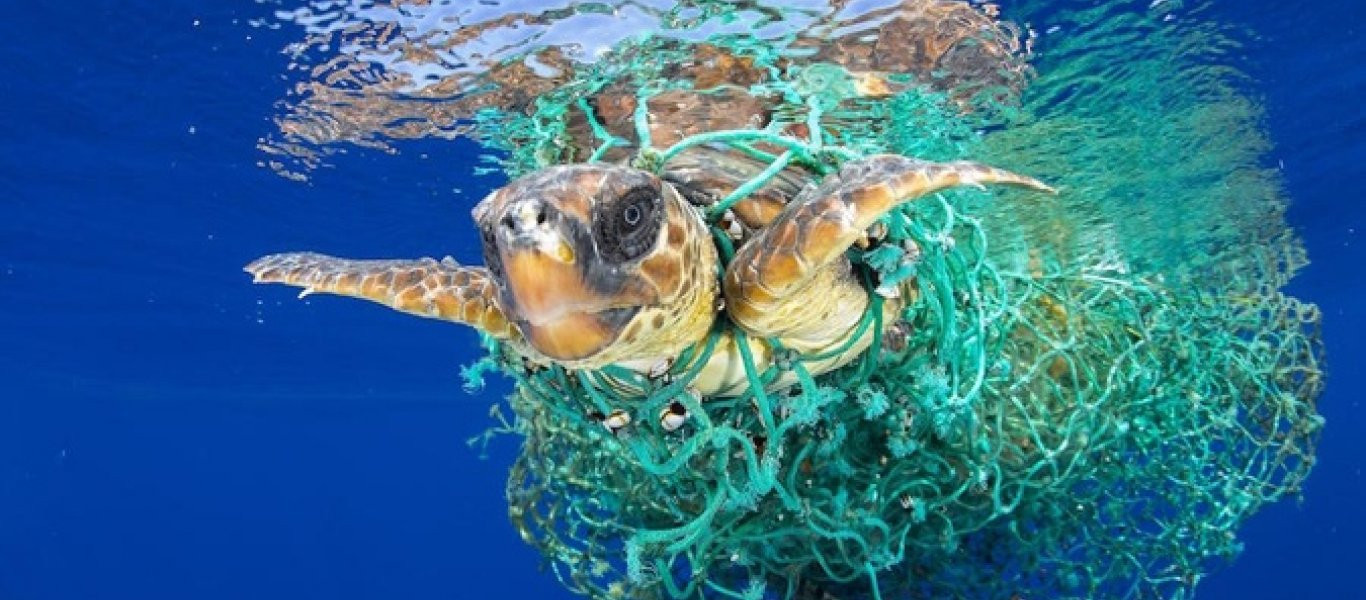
{"x": 1058, "y": 416}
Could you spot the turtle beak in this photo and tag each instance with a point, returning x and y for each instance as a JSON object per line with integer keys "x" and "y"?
{"x": 545, "y": 285}
{"x": 532, "y": 226}
{"x": 544, "y": 278}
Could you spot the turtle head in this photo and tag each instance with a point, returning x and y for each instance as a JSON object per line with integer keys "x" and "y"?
{"x": 597, "y": 264}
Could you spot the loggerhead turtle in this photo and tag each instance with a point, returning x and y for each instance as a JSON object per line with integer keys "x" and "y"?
{"x": 592, "y": 265}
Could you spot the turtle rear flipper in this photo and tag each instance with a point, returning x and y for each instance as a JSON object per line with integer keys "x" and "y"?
{"x": 793, "y": 281}
{"x": 424, "y": 287}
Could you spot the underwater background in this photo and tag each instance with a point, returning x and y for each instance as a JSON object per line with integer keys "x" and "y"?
{"x": 169, "y": 431}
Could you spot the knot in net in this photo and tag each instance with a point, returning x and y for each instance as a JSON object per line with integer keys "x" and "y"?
{"x": 1029, "y": 427}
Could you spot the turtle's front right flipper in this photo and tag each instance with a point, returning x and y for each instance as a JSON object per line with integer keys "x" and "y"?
{"x": 424, "y": 287}
{"x": 793, "y": 280}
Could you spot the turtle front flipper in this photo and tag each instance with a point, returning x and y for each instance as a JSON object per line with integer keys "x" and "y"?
{"x": 793, "y": 281}
{"x": 424, "y": 287}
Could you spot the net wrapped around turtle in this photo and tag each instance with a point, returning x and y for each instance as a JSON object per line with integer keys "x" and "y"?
{"x": 1038, "y": 424}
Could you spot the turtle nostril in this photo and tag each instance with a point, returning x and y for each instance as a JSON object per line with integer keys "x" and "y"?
{"x": 525, "y": 217}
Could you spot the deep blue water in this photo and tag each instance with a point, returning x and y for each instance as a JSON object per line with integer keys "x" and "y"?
{"x": 169, "y": 431}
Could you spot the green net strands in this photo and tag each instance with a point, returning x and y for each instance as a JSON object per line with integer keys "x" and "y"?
{"x": 1040, "y": 427}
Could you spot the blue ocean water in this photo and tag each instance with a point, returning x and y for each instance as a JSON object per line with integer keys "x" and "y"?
{"x": 169, "y": 431}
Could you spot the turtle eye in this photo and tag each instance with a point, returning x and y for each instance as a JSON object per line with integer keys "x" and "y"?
{"x": 627, "y": 227}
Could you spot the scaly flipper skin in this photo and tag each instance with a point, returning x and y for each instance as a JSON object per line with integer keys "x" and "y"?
{"x": 424, "y": 287}
{"x": 769, "y": 284}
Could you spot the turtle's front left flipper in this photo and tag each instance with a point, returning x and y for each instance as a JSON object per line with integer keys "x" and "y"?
{"x": 424, "y": 287}
{"x": 793, "y": 281}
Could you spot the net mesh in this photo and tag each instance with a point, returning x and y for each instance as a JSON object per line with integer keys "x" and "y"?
{"x": 1036, "y": 426}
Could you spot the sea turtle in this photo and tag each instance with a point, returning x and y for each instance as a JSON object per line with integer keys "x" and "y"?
{"x": 591, "y": 265}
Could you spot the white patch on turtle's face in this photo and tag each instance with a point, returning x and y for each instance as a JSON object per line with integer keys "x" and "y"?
{"x": 524, "y": 223}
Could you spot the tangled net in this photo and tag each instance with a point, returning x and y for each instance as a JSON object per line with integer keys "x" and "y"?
{"x": 1050, "y": 427}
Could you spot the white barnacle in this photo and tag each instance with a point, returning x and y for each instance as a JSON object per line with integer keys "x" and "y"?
{"x": 731, "y": 224}
{"x": 873, "y": 234}
{"x": 661, "y": 368}
{"x": 617, "y": 420}
{"x": 913, "y": 254}
{"x": 673, "y": 416}
{"x": 877, "y": 231}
